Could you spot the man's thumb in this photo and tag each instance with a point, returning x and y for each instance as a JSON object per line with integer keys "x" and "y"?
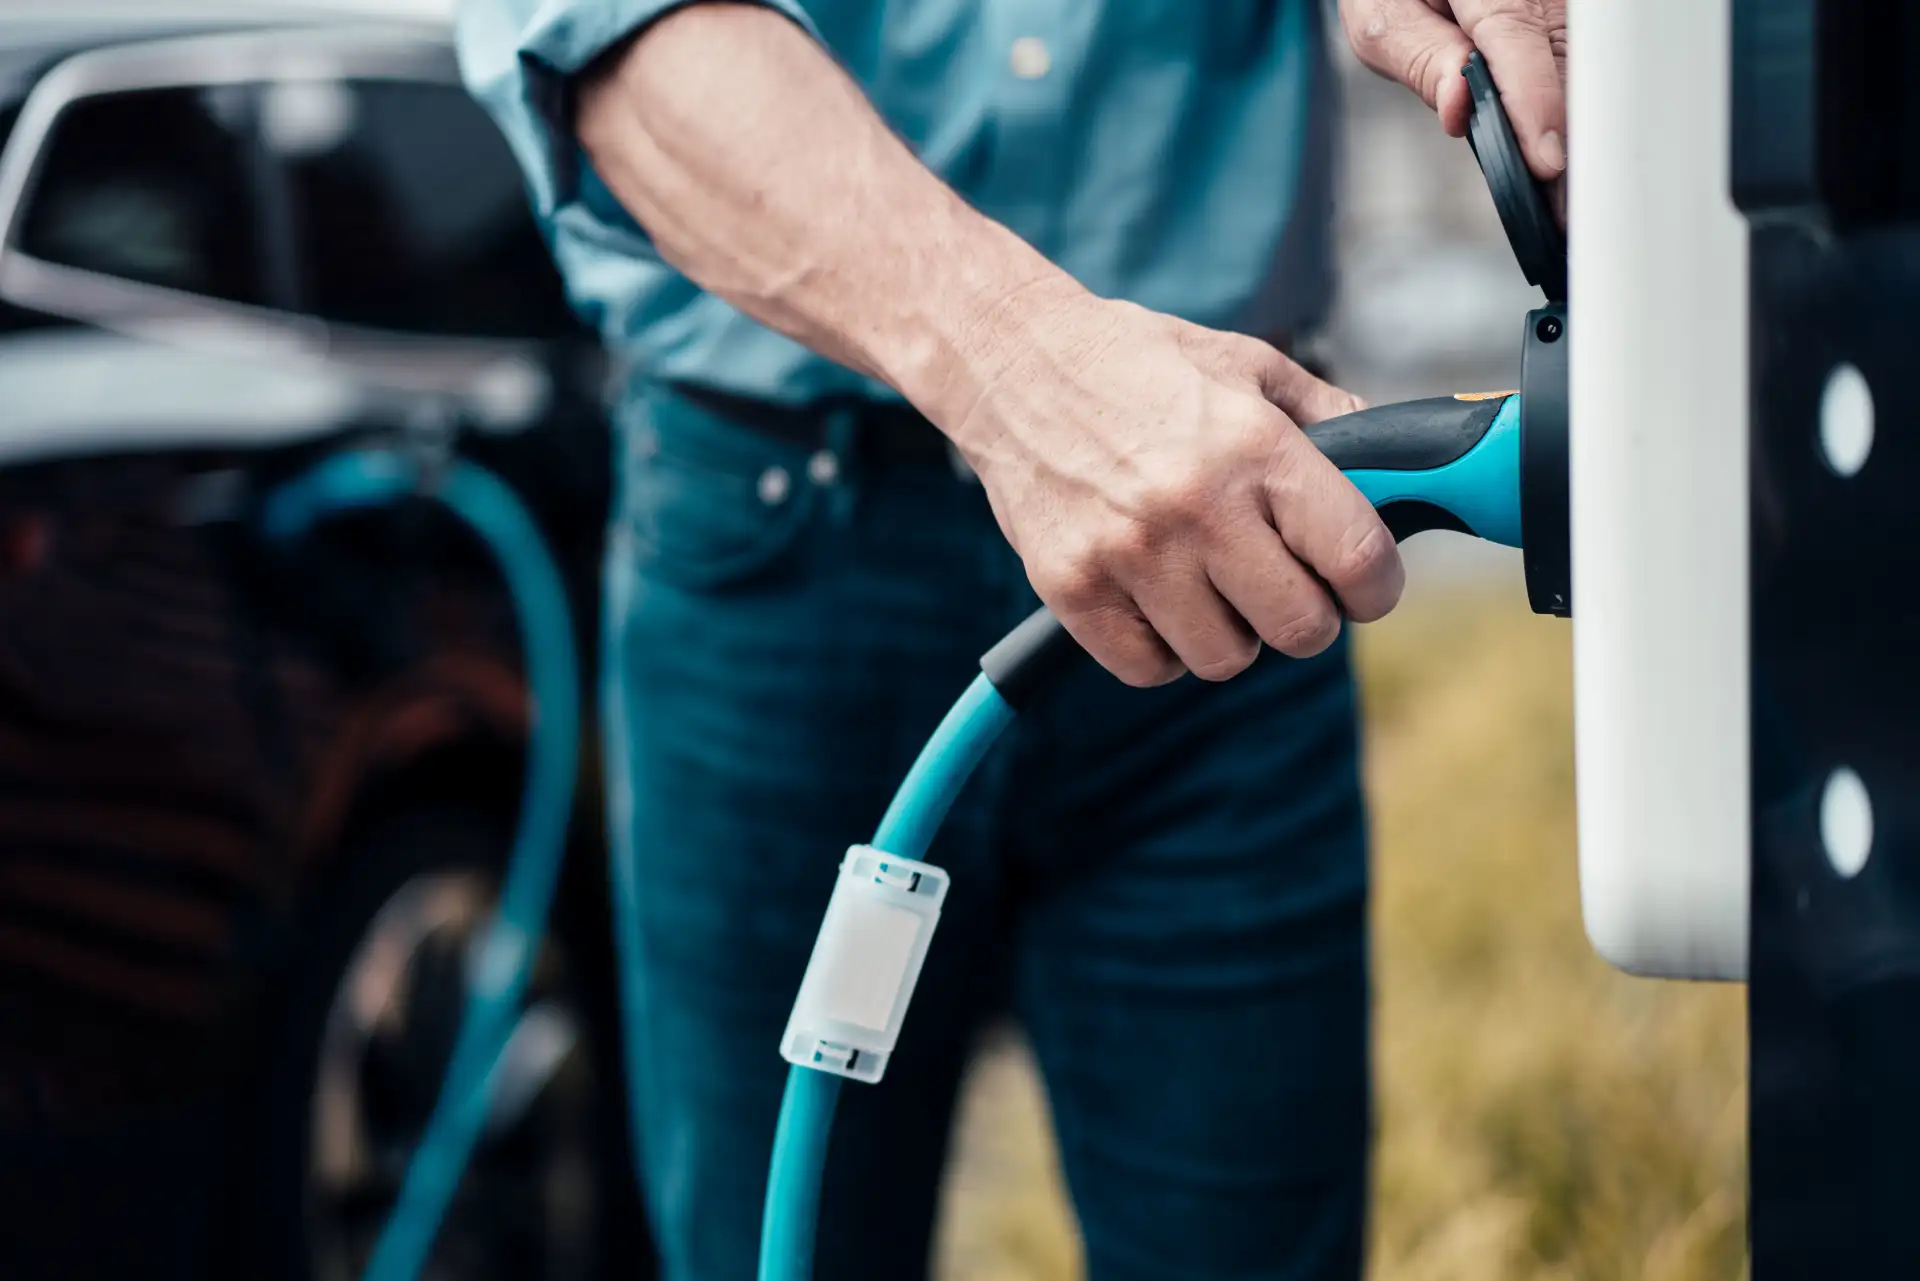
{"x": 1408, "y": 42}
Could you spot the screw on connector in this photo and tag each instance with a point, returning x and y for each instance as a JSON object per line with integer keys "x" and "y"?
{"x": 1549, "y": 329}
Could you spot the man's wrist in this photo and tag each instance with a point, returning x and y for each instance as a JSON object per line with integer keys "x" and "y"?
{"x": 971, "y": 320}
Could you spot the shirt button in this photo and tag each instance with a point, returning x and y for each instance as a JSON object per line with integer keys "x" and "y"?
{"x": 1030, "y": 58}
{"x": 773, "y": 486}
{"x": 823, "y": 468}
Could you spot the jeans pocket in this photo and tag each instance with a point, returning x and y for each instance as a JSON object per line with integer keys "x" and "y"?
{"x": 708, "y": 503}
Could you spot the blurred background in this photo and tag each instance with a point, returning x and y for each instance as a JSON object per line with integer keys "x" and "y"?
{"x": 211, "y": 773}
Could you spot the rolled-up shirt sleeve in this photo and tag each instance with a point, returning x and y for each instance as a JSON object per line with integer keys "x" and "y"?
{"x": 519, "y": 58}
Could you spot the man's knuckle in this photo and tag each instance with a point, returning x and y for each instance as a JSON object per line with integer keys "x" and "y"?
{"x": 1146, "y": 673}
{"x": 1307, "y": 633}
{"x": 1178, "y": 502}
{"x": 1139, "y": 659}
{"x": 1418, "y": 70}
{"x": 1257, "y": 352}
{"x": 1290, "y": 459}
{"x": 1126, "y": 547}
{"x": 1072, "y": 585}
{"x": 1187, "y": 498}
{"x": 1367, "y": 555}
{"x": 1364, "y": 23}
{"x": 1251, "y": 430}
{"x": 1228, "y": 663}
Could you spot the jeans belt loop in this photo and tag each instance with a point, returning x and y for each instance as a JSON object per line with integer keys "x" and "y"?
{"x": 841, "y": 435}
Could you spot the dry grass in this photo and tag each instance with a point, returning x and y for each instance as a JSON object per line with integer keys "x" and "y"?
{"x": 1541, "y": 1115}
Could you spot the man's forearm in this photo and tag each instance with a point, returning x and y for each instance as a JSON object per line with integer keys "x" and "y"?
{"x": 763, "y": 174}
{"x": 1144, "y": 468}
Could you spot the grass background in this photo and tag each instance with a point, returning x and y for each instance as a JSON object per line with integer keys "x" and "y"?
{"x": 1541, "y": 1115}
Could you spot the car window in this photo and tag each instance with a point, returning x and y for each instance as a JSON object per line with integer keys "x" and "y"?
{"x": 149, "y": 186}
{"x": 410, "y": 213}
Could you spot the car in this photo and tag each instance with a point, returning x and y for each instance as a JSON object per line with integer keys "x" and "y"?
{"x": 255, "y": 800}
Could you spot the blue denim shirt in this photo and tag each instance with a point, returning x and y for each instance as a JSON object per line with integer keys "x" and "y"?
{"x": 1176, "y": 153}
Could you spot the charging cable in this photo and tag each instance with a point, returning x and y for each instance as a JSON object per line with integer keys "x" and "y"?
{"x": 875, "y": 935}
{"x": 505, "y": 958}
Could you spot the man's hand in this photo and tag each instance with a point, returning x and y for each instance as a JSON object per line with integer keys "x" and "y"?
{"x": 1424, "y": 43}
{"x": 1147, "y": 470}
{"x": 1150, "y": 473}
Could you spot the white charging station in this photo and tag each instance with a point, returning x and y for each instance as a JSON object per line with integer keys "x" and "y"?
{"x": 1658, "y": 287}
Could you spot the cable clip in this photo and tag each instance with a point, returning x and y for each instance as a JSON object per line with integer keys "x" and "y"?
{"x": 865, "y": 964}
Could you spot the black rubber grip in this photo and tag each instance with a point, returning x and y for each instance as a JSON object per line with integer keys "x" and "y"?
{"x": 1411, "y": 435}
{"x": 1029, "y": 659}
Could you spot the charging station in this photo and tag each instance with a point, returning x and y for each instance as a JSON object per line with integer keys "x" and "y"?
{"x": 1746, "y": 283}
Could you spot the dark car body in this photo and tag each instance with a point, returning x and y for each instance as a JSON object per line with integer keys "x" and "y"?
{"x": 232, "y": 240}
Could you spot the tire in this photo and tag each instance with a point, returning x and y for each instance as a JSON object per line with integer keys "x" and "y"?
{"x": 374, "y": 994}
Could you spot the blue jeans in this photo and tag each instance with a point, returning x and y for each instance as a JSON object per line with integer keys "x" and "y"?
{"x": 1167, "y": 887}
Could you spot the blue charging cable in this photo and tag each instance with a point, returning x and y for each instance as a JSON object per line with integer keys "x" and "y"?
{"x": 504, "y": 963}
{"x": 806, "y": 1110}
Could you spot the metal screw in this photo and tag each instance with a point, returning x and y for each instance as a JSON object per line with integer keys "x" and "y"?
{"x": 1548, "y": 329}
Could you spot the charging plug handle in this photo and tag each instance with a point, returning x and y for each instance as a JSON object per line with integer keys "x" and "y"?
{"x": 1449, "y": 462}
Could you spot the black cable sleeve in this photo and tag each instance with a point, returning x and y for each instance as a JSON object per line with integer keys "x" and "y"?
{"x": 1031, "y": 659}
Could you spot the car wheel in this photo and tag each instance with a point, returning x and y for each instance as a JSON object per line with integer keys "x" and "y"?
{"x": 379, "y": 988}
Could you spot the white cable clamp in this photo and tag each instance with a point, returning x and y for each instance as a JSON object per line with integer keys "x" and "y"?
{"x": 865, "y": 963}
